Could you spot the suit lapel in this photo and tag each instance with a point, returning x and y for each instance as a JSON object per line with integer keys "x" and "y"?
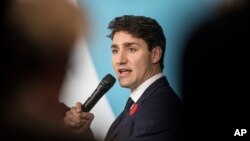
{"x": 113, "y": 127}
{"x": 121, "y": 120}
{"x": 119, "y": 123}
{"x": 152, "y": 88}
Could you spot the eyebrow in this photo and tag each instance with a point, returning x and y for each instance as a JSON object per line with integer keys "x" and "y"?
{"x": 114, "y": 46}
{"x": 126, "y": 44}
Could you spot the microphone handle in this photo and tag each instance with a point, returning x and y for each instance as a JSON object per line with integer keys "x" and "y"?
{"x": 89, "y": 103}
{"x": 94, "y": 98}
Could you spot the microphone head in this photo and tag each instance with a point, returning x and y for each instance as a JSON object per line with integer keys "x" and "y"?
{"x": 108, "y": 80}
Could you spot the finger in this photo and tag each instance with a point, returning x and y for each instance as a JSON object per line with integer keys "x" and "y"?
{"x": 77, "y": 122}
{"x": 73, "y": 110}
{"x": 73, "y": 116}
{"x": 78, "y": 107}
{"x": 87, "y": 116}
{"x": 72, "y": 124}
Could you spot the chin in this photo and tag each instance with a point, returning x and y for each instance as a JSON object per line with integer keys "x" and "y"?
{"x": 124, "y": 85}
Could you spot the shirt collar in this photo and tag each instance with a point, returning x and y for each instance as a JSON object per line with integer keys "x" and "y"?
{"x": 141, "y": 88}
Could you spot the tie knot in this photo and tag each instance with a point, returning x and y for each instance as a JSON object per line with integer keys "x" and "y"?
{"x": 129, "y": 104}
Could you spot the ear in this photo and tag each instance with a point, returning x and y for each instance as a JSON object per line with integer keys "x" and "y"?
{"x": 156, "y": 54}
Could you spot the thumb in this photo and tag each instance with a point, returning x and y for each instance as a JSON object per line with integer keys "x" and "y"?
{"x": 78, "y": 107}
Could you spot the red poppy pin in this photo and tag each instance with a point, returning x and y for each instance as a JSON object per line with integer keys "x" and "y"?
{"x": 133, "y": 109}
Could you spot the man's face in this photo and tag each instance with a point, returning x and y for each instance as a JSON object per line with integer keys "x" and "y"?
{"x": 131, "y": 60}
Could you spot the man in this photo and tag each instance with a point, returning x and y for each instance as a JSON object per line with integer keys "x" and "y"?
{"x": 138, "y": 46}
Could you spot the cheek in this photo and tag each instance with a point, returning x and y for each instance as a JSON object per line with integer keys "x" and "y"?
{"x": 139, "y": 66}
{"x": 113, "y": 62}
{"x": 141, "y": 62}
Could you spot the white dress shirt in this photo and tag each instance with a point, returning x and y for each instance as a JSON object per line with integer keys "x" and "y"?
{"x": 141, "y": 88}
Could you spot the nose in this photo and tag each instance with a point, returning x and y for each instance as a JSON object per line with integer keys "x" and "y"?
{"x": 121, "y": 58}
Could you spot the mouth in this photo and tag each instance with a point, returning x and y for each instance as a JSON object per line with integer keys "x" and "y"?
{"x": 124, "y": 72}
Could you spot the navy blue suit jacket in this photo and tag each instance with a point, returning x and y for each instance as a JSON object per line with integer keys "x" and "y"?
{"x": 157, "y": 118}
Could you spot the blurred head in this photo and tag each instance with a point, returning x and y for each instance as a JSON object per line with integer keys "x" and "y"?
{"x": 39, "y": 35}
{"x": 138, "y": 45}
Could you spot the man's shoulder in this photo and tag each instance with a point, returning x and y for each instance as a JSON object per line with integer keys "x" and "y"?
{"x": 160, "y": 90}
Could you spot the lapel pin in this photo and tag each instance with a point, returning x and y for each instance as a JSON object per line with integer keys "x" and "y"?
{"x": 133, "y": 109}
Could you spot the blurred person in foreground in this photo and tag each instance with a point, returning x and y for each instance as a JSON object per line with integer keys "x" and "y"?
{"x": 38, "y": 37}
{"x": 153, "y": 111}
{"x": 216, "y": 76}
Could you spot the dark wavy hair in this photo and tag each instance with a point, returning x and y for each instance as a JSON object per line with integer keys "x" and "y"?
{"x": 142, "y": 27}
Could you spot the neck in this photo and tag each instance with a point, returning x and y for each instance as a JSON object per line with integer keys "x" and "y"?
{"x": 155, "y": 71}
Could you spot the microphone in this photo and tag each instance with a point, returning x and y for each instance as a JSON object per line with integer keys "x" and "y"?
{"x": 107, "y": 82}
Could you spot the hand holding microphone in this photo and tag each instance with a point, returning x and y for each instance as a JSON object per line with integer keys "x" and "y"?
{"x": 78, "y": 116}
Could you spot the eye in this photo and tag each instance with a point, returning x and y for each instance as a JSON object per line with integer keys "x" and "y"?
{"x": 132, "y": 50}
{"x": 114, "y": 51}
